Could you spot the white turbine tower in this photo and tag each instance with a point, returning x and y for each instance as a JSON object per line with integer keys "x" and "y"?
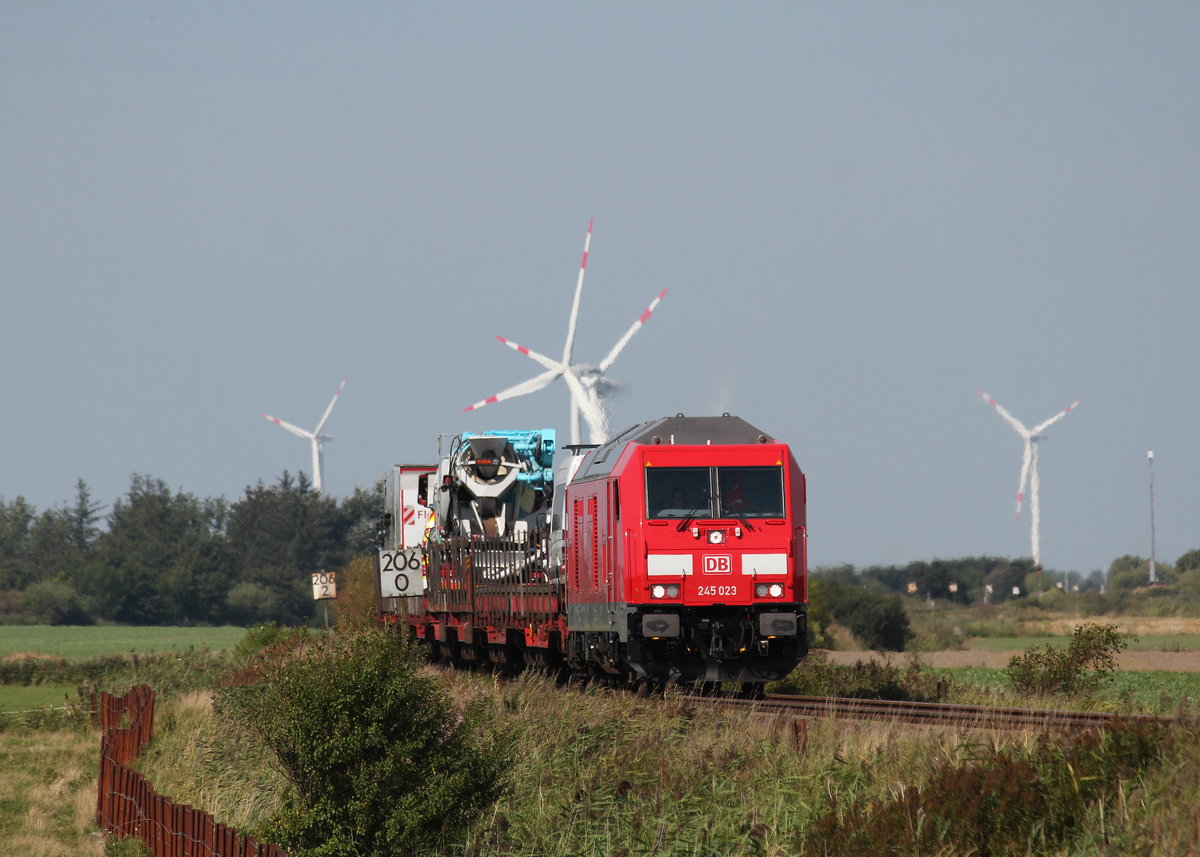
{"x": 1029, "y": 466}
{"x": 315, "y": 437}
{"x": 588, "y": 386}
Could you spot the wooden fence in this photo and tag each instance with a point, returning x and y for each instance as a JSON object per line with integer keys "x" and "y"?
{"x": 127, "y": 804}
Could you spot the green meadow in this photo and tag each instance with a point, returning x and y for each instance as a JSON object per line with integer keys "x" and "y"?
{"x": 1143, "y": 643}
{"x": 17, "y": 698}
{"x": 1151, "y": 691}
{"x": 78, "y": 643}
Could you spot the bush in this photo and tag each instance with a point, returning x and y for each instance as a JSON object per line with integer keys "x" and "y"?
{"x": 1078, "y": 669}
{"x": 269, "y": 637}
{"x": 816, "y": 676}
{"x": 249, "y": 602}
{"x": 878, "y": 620}
{"x": 933, "y": 633}
{"x": 356, "y": 591}
{"x": 52, "y": 602}
{"x": 378, "y": 760}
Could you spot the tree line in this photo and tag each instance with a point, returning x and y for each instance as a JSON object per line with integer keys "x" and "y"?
{"x": 985, "y": 579}
{"x": 168, "y": 557}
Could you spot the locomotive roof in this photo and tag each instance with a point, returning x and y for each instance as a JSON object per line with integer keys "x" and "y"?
{"x": 678, "y": 429}
{"x": 701, "y": 430}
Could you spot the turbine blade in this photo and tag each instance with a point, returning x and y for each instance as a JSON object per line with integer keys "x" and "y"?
{"x": 1025, "y": 461}
{"x": 530, "y": 386}
{"x": 296, "y": 430}
{"x": 1009, "y": 418}
{"x": 574, "y": 319}
{"x": 624, "y": 340}
{"x": 1041, "y": 427}
{"x": 529, "y": 352}
{"x": 329, "y": 410}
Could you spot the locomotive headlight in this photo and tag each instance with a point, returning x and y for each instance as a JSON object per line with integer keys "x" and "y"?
{"x": 763, "y": 590}
{"x": 658, "y": 591}
{"x": 716, "y": 537}
{"x": 760, "y": 591}
{"x": 673, "y": 590}
{"x": 775, "y": 590}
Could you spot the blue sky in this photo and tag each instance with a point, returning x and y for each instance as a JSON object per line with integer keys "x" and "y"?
{"x": 863, "y": 212}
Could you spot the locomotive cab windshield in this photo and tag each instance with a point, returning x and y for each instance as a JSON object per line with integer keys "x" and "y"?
{"x": 714, "y": 492}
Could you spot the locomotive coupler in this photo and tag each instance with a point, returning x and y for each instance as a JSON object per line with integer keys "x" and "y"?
{"x": 716, "y": 644}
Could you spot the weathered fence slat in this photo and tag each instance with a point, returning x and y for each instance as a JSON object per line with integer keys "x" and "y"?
{"x": 128, "y": 805}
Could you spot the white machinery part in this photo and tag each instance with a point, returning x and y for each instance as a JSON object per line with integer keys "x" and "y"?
{"x": 402, "y": 492}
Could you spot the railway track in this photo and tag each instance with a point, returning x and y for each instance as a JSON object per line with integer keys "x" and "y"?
{"x": 938, "y": 713}
{"x": 931, "y": 713}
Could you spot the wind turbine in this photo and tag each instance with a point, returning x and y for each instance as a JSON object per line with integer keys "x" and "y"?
{"x": 316, "y": 437}
{"x": 1029, "y": 468}
{"x": 588, "y": 385}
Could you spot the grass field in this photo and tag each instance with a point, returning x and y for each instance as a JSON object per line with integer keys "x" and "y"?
{"x": 48, "y": 792}
{"x": 14, "y": 698}
{"x": 1159, "y": 691}
{"x": 1144, "y": 643}
{"x": 80, "y": 643}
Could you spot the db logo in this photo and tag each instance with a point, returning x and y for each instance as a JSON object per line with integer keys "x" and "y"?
{"x": 717, "y": 563}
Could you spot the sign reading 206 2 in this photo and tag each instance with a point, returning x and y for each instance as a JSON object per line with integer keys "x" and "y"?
{"x": 400, "y": 573}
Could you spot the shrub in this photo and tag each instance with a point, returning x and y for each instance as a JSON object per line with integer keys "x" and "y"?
{"x": 53, "y": 602}
{"x": 877, "y": 619}
{"x": 931, "y": 633}
{"x": 1078, "y": 669}
{"x": 250, "y": 602}
{"x": 269, "y": 636}
{"x": 356, "y": 591}
{"x": 378, "y": 760}
{"x": 816, "y": 676}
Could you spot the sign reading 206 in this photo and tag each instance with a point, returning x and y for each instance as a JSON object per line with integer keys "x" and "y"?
{"x": 400, "y": 573}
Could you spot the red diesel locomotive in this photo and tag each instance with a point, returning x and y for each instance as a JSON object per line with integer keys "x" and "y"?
{"x": 675, "y": 552}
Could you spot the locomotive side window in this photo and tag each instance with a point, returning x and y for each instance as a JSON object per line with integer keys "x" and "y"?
{"x": 677, "y": 492}
{"x": 750, "y": 492}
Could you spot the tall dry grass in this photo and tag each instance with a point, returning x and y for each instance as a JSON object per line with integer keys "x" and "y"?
{"x": 211, "y": 763}
{"x": 48, "y": 792}
{"x": 603, "y": 773}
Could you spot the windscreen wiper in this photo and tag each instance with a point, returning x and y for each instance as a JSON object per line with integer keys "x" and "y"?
{"x": 687, "y": 519}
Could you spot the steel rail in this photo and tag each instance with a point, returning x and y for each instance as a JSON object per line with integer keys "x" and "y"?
{"x": 938, "y": 713}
